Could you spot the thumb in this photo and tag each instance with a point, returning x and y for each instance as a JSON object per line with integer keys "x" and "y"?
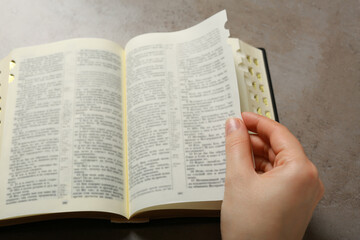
{"x": 239, "y": 160}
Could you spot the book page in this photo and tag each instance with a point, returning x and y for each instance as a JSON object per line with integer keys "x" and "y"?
{"x": 62, "y": 141}
{"x": 181, "y": 88}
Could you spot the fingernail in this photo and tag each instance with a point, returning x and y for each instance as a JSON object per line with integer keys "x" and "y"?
{"x": 232, "y": 125}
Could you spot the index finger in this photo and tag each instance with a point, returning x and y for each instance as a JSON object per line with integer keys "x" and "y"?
{"x": 278, "y": 136}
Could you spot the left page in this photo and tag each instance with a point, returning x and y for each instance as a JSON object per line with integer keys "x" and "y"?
{"x": 62, "y": 148}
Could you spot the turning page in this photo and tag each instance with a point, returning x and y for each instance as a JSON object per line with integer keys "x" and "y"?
{"x": 62, "y": 141}
{"x": 181, "y": 87}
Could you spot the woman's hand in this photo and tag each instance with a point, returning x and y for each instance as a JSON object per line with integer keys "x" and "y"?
{"x": 276, "y": 199}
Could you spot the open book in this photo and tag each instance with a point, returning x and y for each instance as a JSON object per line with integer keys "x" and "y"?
{"x": 89, "y": 129}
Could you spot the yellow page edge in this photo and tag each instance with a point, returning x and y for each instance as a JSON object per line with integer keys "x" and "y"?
{"x": 125, "y": 137}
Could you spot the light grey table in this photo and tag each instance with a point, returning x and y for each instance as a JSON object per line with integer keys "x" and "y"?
{"x": 313, "y": 52}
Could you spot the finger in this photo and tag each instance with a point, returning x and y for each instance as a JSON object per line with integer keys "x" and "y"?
{"x": 238, "y": 149}
{"x": 262, "y": 164}
{"x": 277, "y": 135}
{"x": 262, "y": 148}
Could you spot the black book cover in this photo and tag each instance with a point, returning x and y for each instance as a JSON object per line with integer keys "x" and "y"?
{"x": 276, "y": 116}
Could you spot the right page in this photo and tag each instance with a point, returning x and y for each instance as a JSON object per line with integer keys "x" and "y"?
{"x": 181, "y": 87}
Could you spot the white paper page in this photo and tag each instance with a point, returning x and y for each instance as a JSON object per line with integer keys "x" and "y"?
{"x": 181, "y": 88}
{"x": 63, "y": 130}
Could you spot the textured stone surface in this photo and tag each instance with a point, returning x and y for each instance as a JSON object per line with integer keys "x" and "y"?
{"x": 313, "y": 52}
